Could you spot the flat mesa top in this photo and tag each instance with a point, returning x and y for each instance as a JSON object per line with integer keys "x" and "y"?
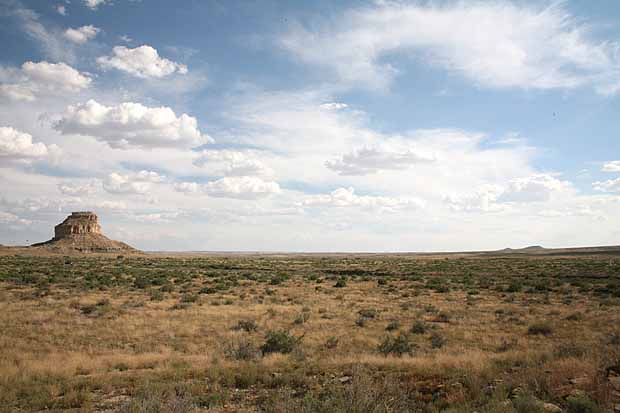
{"x": 82, "y": 213}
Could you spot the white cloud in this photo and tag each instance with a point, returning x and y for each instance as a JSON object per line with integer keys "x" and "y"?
{"x": 612, "y": 166}
{"x": 242, "y": 187}
{"x": 230, "y": 163}
{"x": 42, "y": 78}
{"x": 17, "y": 145}
{"x": 239, "y": 187}
{"x": 370, "y": 160}
{"x": 61, "y": 9}
{"x": 158, "y": 217}
{"x": 143, "y": 62}
{"x": 77, "y": 189}
{"x": 484, "y": 199}
{"x": 334, "y": 106}
{"x": 82, "y": 34}
{"x": 9, "y": 218}
{"x": 610, "y": 185}
{"x": 131, "y": 125}
{"x": 187, "y": 187}
{"x": 149, "y": 176}
{"x": 346, "y": 197}
{"x": 573, "y": 211}
{"x": 111, "y": 205}
{"x": 496, "y": 198}
{"x": 533, "y": 188}
{"x": 94, "y": 4}
{"x": 496, "y": 44}
{"x": 135, "y": 183}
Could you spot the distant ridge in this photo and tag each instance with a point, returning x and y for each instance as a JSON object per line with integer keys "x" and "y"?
{"x": 533, "y": 248}
{"x": 538, "y": 250}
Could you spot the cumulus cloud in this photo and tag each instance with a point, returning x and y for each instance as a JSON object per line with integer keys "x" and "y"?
{"x": 612, "y": 166}
{"x": 42, "y": 78}
{"x": 346, "y": 197}
{"x": 131, "y": 125}
{"x": 484, "y": 199}
{"x": 61, "y": 9}
{"x": 149, "y": 176}
{"x": 77, "y": 189}
{"x": 334, "y": 106}
{"x": 370, "y": 160}
{"x": 497, "y": 44}
{"x": 18, "y": 145}
{"x": 143, "y": 62}
{"x": 243, "y": 187}
{"x": 187, "y": 187}
{"x": 533, "y": 188}
{"x": 495, "y": 198}
{"x": 230, "y": 163}
{"x": 610, "y": 185}
{"x": 94, "y": 4}
{"x": 134, "y": 183}
{"x": 82, "y": 34}
{"x": 157, "y": 217}
{"x": 240, "y": 187}
{"x": 110, "y": 205}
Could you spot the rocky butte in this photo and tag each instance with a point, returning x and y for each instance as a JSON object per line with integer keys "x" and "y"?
{"x": 81, "y": 232}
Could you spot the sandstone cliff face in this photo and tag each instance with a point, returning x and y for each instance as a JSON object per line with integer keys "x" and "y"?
{"x": 78, "y": 223}
{"x": 81, "y": 232}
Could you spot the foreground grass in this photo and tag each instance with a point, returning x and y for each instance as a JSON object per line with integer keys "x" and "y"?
{"x": 310, "y": 334}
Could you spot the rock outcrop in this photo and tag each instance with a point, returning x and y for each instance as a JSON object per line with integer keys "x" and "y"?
{"x": 81, "y": 232}
{"x": 83, "y": 222}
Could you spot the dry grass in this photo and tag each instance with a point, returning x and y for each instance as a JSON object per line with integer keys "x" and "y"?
{"x": 70, "y": 345}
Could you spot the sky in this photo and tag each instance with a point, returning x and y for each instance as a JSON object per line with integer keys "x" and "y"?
{"x": 319, "y": 126}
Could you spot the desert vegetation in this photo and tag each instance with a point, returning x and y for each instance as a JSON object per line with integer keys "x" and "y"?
{"x": 309, "y": 334}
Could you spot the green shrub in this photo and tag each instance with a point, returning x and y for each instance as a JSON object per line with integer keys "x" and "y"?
{"x": 368, "y": 313}
{"x": 397, "y": 346}
{"x": 581, "y": 404}
{"x": 341, "y": 283}
{"x": 332, "y": 342}
{"x": 189, "y": 298}
{"x": 246, "y": 325}
{"x": 393, "y": 325}
{"x": 437, "y": 340}
{"x": 540, "y": 328}
{"x": 301, "y": 318}
{"x": 514, "y": 287}
{"x": 419, "y": 327}
{"x": 527, "y": 404}
{"x": 280, "y": 341}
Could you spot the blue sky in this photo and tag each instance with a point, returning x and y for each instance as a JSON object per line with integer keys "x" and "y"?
{"x": 312, "y": 126}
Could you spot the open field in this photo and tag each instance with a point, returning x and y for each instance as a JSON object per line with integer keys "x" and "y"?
{"x": 372, "y": 333}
